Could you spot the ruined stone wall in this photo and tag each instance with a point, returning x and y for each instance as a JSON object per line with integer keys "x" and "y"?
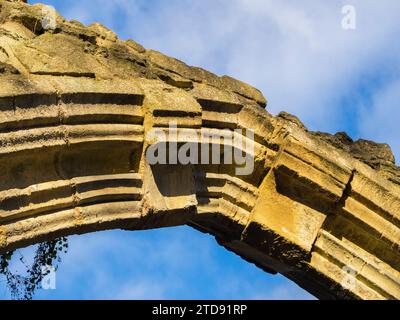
{"x": 76, "y": 108}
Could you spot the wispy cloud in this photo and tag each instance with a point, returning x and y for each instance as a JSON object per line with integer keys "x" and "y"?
{"x": 177, "y": 263}
{"x": 380, "y": 120}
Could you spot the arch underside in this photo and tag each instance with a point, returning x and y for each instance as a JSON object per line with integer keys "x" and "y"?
{"x": 73, "y": 142}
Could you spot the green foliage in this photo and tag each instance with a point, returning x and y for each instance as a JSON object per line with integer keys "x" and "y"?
{"x": 23, "y": 287}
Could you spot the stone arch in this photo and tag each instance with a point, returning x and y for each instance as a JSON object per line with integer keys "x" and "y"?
{"x": 74, "y": 131}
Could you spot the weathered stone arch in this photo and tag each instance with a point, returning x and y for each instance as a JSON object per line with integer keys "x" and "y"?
{"x": 76, "y": 107}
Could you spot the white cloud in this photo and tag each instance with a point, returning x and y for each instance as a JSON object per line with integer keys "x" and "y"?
{"x": 174, "y": 263}
{"x": 141, "y": 290}
{"x": 281, "y": 292}
{"x": 381, "y": 120}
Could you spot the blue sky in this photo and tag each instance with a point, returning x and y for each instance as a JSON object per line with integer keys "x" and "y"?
{"x": 297, "y": 53}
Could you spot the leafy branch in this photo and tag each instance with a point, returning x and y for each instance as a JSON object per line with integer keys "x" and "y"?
{"x": 47, "y": 254}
